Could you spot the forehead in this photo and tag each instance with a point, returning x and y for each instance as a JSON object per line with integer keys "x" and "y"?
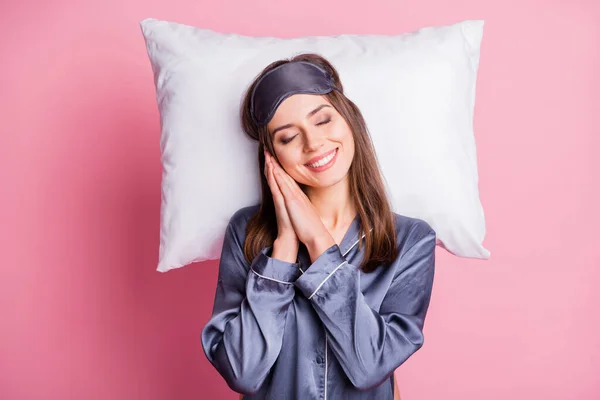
{"x": 296, "y": 107}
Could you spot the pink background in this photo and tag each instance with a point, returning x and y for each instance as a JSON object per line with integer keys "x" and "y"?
{"x": 85, "y": 314}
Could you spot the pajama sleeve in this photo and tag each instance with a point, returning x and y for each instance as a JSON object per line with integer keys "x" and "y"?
{"x": 243, "y": 337}
{"x": 371, "y": 344}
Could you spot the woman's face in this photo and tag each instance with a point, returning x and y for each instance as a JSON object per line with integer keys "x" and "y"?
{"x": 305, "y": 128}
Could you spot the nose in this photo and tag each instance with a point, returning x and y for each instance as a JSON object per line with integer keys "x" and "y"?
{"x": 313, "y": 140}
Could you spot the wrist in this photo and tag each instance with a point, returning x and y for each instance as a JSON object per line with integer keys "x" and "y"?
{"x": 287, "y": 238}
{"x": 319, "y": 244}
{"x": 285, "y": 249}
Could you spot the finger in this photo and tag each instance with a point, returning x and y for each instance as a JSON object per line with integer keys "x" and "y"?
{"x": 268, "y": 155}
{"x": 283, "y": 185}
{"x": 274, "y": 161}
{"x": 275, "y": 190}
{"x": 267, "y": 167}
{"x": 291, "y": 183}
{"x": 266, "y": 170}
{"x": 269, "y": 174}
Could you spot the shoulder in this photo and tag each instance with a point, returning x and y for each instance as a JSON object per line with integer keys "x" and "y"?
{"x": 411, "y": 230}
{"x": 234, "y": 238}
{"x": 239, "y": 219}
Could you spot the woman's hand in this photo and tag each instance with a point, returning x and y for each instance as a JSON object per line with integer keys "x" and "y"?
{"x": 301, "y": 212}
{"x": 285, "y": 229}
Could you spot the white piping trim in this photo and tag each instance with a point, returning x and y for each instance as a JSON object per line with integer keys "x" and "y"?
{"x": 346, "y": 252}
{"x": 331, "y": 273}
{"x": 364, "y": 234}
{"x": 271, "y": 279}
{"x": 328, "y": 276}
{"x": 353, "y": 245}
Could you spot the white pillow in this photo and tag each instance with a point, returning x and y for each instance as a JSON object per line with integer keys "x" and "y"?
{"x": 416, "y": 91}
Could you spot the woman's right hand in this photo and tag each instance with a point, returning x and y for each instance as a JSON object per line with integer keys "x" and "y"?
{"x": 285, "y": 229}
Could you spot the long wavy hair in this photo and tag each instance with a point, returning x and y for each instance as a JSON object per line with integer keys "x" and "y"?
{"x": 377, "y": 222}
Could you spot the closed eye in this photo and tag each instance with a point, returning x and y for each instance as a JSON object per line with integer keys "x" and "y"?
{"x": 286, "y": 141}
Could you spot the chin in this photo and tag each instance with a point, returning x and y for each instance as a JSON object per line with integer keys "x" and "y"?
{"x": 329, "y": 181}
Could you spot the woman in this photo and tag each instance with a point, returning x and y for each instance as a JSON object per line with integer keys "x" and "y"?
{"x": 322, "y": 290}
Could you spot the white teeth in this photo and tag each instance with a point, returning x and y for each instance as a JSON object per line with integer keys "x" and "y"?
{"x": 322, "y": 161}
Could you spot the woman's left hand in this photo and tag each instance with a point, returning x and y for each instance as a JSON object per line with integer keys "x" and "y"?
{"x": 306, "y": 221}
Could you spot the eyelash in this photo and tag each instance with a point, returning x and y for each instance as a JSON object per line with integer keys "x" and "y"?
{"x": 292, "y": 138}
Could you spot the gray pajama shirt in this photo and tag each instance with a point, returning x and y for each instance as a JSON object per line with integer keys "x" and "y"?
{"x": 321, "y": 330}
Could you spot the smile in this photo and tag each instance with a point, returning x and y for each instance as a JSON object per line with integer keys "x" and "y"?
{"x": 324, "y": 163}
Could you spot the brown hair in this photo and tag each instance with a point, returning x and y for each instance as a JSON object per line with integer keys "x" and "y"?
{"x": 366, "y": 182}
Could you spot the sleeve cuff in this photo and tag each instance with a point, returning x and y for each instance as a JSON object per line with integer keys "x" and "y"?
{"x": 274, "y": 269}
{"x": 319, "y": 271}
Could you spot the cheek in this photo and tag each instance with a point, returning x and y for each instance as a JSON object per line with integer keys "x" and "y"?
{"x": 288, "y": 161}
{"x": 347, "y": 140}
{"x": 341, "y": 131}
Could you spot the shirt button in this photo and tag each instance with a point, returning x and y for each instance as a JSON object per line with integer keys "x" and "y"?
{"x": 319, "y": 360}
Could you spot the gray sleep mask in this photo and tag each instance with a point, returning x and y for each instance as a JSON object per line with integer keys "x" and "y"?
{"x": 295, "y": 77}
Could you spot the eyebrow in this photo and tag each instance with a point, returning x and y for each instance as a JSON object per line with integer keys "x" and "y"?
{"x": 310, "y": 114}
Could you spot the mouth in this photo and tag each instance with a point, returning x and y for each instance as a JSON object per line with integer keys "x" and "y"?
{"x": 325, "y": 162}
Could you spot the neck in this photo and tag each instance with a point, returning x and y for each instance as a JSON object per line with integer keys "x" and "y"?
{"x": 334, "y": 204}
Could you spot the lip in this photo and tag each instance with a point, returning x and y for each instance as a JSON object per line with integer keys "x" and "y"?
{"x": 326, "y": 166}
{"x": 317, "y": 158}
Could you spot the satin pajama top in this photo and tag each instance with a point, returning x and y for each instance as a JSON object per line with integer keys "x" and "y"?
{"x": 320, "y": 330}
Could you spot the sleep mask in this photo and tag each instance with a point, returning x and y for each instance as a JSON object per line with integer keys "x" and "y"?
{"x": 294, "y": 77}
